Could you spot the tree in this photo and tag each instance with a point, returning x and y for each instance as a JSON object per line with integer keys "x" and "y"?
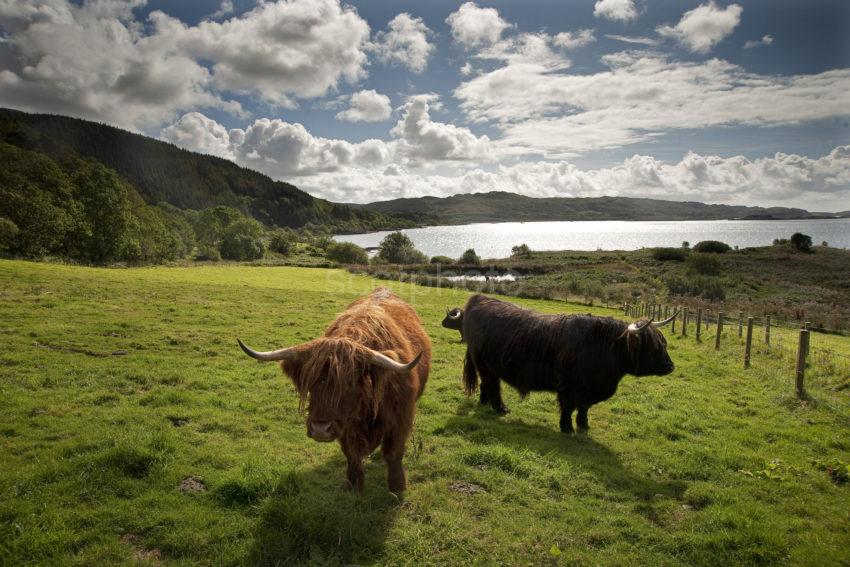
{"x": 241, "y": 240}
{"x": 282, "y": 241}
{"x": 469, "y": 257}
{"x": 521, "y": 251}
{"x": 347, "y": 253}
{"x": 8, "y": 231}
{"x": 712, "y": 247}
{"x": 802, "y": 242}
{"x": 397, "y": 248}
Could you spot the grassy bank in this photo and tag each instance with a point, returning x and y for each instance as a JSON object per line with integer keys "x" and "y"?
{"x": 790, "y": 286}
{"x": 135, "y": 431}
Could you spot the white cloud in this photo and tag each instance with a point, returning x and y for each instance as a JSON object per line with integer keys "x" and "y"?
{"x": 782, "y": 179}
{"x": 704, "y": 27}
{"x": 225, "y": 9}
{"x": 284, "y": 150}
{"x": 467, "y": 69}
{"x": 635, "y": 40}
{"x": 95, "y": 60}
{"x": 640, "y": 97}
{"x": 421, "y": 139}
{"x": 281, "y": 50}
{"x": 570, "y": 40}
{"x": 367, "y": 106}
{"x": 766, "y": 39}
{"x": 194, "y": 131}
{"x": 623, "y": 10}
{"x": 405, "y": 43}
{"x": 473, "y": 26}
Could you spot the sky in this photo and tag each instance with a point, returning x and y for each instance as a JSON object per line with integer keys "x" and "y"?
{"x": 742, "y": 102}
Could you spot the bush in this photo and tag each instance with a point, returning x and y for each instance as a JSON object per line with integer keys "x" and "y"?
{"x": 241, "y": 240}
{"x": 8, "y": 232}
{"x": 521, "y": 251}
{"x": 347, "y": 253}
{"x": 664, "y": 254}
{"x": 282, "y": 241}
{"x": 396, "y": 248}
{"x": 712, "y": 247}
{"x": 709, "y": 288}
{"x": 704, "y": 264}
{"x": 802, "y": 242}
{"x": 442, "y": 260}
{"x": 469, "y": 257}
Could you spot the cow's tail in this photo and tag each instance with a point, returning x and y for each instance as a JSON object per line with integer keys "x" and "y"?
{"x": 470, "y": 375}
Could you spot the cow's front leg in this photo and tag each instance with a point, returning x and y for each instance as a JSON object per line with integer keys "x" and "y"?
{"x": 393, "y": 452}
{"x": 354, "y": 473}
{"x": 567, "y": 408}
{"x": 581, "y": 418}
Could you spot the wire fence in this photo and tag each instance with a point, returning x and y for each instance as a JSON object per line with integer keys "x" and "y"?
{"x": 813, "y": 360}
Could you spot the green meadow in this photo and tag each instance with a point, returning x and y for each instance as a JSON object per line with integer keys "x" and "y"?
{"x": 134, "y": 431}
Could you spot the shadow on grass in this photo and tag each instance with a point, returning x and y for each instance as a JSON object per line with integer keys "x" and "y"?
{"x": 311, "y": 518}
{"x": 581, "y": 451}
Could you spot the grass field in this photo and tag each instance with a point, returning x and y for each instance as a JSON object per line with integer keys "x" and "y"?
{"x": 116, "y": 386}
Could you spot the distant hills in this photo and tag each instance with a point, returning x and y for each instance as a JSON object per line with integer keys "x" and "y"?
{"x": 500, "y": 206}
{"x": 162, "y": 172}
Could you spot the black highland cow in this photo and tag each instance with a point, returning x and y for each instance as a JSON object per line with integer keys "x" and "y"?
{"x": 454, "y": 320}
{"x": 581, "y": 358}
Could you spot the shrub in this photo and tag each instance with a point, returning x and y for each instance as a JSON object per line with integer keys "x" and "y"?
{"x": 282, "y": 241}
{"x": 802, "y": 242}
{"x": 8, "y": 232}
{"x": 521, "y": 251}
{"x": 712, "y": 247}
{"x": 664, "y": 254}
{"x": 442, "y": 260}
{"x": 704, "y": 264}
{"x": 397, "y": 248}
{"x": 709, "y": 288}
{"x": 241, "y": 240}
{"x": 347, "y": 253}
{"x": 469, "y": 257}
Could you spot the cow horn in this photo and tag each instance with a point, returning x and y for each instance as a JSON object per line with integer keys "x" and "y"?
{"x": 665, "y": 321}
{"x": 635, "y": 328}
{"x": 386, "y": 362}
{"x": 280, "y": 354}
{"x": 448, "y": 310}
{"x": 455, "y": 314}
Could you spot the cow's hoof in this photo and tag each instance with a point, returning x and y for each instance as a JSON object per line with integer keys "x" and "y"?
{"x": 502, "y": 410}
{"x": 582, "y": 430}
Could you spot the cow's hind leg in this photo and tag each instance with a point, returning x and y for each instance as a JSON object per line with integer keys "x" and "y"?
{"x": 581, "y": 418}
{"x": 493, "y": 387}
{"x": 567, "y": 408}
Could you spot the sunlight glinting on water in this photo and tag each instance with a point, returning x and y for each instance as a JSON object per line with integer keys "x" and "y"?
{"x": 495, "y": 240}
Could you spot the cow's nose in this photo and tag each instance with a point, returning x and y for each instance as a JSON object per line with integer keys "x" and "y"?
{"x": 320, "y": 430}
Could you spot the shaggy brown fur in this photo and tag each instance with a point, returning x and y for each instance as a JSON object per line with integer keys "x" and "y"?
{"x": 366, "y": 405}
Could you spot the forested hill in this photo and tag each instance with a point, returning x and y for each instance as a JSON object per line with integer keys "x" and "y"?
{"x": 510, "y": 207}
{"x": 162, "y": 172}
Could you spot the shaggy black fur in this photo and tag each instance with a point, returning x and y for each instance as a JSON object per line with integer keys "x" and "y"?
{"x": 581, "y": 358}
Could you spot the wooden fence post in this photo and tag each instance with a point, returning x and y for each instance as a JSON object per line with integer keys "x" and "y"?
{"x": 673, "y": 328}
{"x": 767, "y": 330}
{"x": 719, "y": 330}
{"x": 685, "y": 322}
{"x": 802, "y": 351}
{"x": 749, "y": 346}
{"x": 740, "y": 324}
{"x": 699, "y": 323}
